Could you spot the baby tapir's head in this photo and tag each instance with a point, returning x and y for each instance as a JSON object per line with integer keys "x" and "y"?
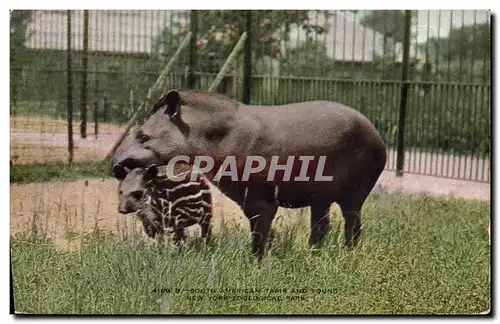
{"x": 132, "y": 188}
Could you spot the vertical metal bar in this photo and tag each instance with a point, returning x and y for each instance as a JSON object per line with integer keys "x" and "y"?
{"x": 106, "y": 106}
{"x": 428, "y": 90}
{"x": 192, "y": 48}
{"x": 488, "y": 108}
{"x": 455, "y": 99}
{"x": 473, "y": 105}
{"x": 415, "y": 95}
{"x": 419, "y": 125}
{"x": 297, "y": 42}
{"x": 461, "y": 51}
{"x": 344, "y": 39}
{"x": 404, "y": 93}
{"x": 393, "y": 88}
{"x": 451, "y": 155}
{"x": 438, "y": 50}
{"x": 485, "y": 61}
{"x": 247, "y": 86}
{"x": 334, "y": 44}
{"x": 363, "y": 50}
{"x": 69, "y": 103}
{"x": 489, "y": 124}
{"x": 96, "y": 118}
{"x": 374, "y": 54}
{"x": 449, "y": 45}
{"x": 353, "y": 65}
{"x": 384, "y": 45}
{"x": 326, "y": 14}
{"x": 85, "y": 60}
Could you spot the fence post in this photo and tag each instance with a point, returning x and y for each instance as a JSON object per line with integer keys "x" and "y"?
{"x": 96, "y": 118}
{"x": 69, "y": 102}
{"x": 192, "y": 49}
{"x": 83, "y": 111}
{"x": 247, "y": 73}
{"x": 106, "y": 106}
{"x": 404, "y": 96}
{"x": 96, "y": 99}
{"x": 131, "y": 104}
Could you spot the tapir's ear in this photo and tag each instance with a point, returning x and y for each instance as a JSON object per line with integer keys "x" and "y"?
{"x": 173, "y": 110}
{"x": 151, "y": 172}
{"x": 173, "y": 102}
{"x": 119, "y": 172}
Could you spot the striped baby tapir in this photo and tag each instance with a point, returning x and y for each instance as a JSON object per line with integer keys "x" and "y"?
{"x": 165, "y": 204}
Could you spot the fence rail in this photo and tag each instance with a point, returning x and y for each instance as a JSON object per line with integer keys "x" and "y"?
{"x": 353, "y": 57}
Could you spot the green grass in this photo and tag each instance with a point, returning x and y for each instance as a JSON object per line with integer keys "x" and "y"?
{"x": 419, "y": 255}
{"x": 56, "y": 171}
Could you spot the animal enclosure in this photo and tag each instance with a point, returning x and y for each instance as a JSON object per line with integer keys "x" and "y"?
{"x": 422, "y": 77}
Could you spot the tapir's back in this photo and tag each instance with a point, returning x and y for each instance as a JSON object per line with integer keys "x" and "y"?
{"x": 315, "y": 126}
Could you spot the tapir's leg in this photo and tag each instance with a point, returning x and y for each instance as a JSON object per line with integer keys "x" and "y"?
{"x": 260, "y": 207}
{"x": 352, "y": 224}
{"x": 351, "y": 211}
{"x": 206, "y": 226}
{"x": 320, "y": 222}
{"x": 234, "y": 191}
{"x": 352, "y": 202}
{"x": 179, "y": 235}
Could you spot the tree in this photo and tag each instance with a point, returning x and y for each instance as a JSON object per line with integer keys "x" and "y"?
{"x": 468, "y": 42}
{"x": 390, "y": 23}
{"x": 310, "y": 58}
{"x": 19, "y": 20}
{"x": 465, "y": 45}
{"x": 219, "y": 30}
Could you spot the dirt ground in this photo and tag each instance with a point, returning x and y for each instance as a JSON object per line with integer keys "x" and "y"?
{"x": 24, "y": 153}
{"x": 68, "y": 210}
{"x": 46, "y": 124}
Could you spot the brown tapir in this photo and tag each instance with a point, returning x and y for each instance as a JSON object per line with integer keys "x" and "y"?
{"x": 192, "y": 124}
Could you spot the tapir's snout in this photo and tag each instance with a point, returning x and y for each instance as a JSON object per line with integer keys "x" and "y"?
{"x": 132, "y": 154}
{"x": 125, "y": 208}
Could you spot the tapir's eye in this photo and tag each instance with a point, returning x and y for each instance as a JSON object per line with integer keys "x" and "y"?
{"x": 137, "y": 194}
{"x": 143, "y": 138}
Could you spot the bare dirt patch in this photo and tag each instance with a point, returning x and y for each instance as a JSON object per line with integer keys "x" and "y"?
{"x": 47, "y": 124}
{"x": 25, "y": 153}
{"x": 65, "y": 210}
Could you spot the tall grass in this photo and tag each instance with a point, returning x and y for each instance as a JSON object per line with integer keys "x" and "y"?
{"x": 418, "y": 255}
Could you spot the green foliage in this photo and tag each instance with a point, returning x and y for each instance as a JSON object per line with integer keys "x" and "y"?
{"x": 464, "y": 55}
{"x": 418, "y": 255}
{"x": 309, "y": 59}
{"x": 19, "y": 20}
{"x": 390, "y": 23}
{"x": 219, "y": 30}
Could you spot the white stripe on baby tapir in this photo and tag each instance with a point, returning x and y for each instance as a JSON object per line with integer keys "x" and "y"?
{"x": 185, "y": 198}
{"x": 183, "y": 185}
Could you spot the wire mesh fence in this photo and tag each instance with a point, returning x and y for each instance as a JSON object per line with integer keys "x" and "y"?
{"x": 353, "y": 57}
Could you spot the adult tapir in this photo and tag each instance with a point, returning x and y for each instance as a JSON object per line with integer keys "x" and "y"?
{"x": 193, "y": 123}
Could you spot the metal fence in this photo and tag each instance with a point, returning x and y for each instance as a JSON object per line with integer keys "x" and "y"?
{"x": 422, "y": 77}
